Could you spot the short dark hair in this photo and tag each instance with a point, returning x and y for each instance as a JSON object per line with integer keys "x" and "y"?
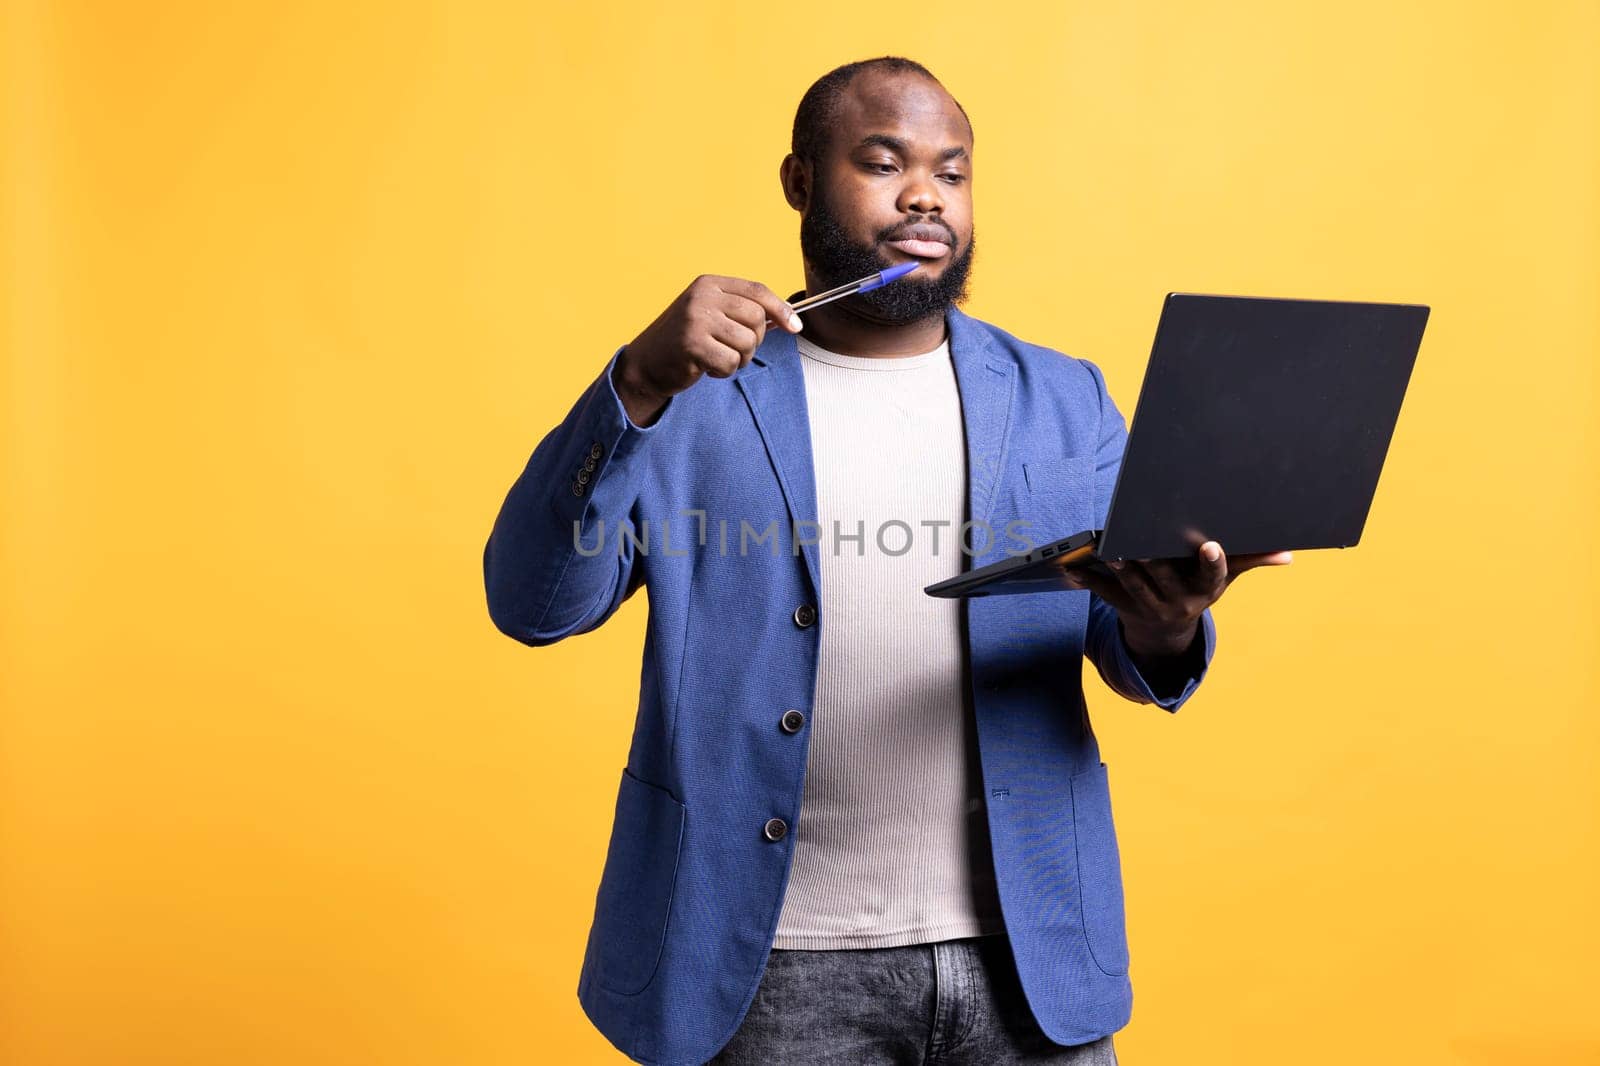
{"x": 814, "y": 119}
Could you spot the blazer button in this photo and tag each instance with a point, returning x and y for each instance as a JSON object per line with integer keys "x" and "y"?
{"x": 792, "y": 721}
{"x": 577, "y": 489}
{"x": 594, "y": 450}
{"x": 774, "y": 829}
{"x": 804, "y": 615}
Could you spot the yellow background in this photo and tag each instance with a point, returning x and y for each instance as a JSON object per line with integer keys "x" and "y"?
{"x": 292, "y": 290}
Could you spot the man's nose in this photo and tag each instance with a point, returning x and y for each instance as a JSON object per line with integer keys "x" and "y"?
{"x": 920, "y": 196}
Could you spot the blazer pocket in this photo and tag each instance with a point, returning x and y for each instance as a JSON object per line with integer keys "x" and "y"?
{"x": 1099, "y": 871}
{"x": 636, "y": 887}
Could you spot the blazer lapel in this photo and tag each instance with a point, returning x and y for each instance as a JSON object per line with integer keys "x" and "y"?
{"x": 987, "y": 382}
{"x": 774, "y": 386}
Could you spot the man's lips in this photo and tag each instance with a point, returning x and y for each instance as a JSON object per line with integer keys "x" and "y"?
{"x": 923, "y": 240}
{"x": 922, "y": 249}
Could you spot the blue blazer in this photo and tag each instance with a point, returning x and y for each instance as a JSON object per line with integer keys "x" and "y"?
{"x": 690, "y": 895}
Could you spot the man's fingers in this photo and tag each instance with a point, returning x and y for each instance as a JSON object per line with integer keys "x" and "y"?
{"x": 1163, "y": 578}
{"x": 1214, "y": 565}
{"x": 742, "y": 338}
{"x": 1238, "y": 564}
{"x": 770, "y": 302}
{"x": 749, "y": 314}
{"x": 1136, "y": 582}
{"x": 719, "y": 360}
{"x": 744, "y": 309}
{"x": 1109, "y": 589}
{"x": 1245, "y": 562}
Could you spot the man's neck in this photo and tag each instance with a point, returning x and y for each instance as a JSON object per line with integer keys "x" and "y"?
{"x": 840, "y": 329}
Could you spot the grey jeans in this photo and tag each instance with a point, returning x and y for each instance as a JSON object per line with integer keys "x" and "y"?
{"x": 951, "y": 1003}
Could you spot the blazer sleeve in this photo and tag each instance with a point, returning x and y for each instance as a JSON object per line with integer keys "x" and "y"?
{"x": 1103, "y": 643}
{"x": 556, "y": 563}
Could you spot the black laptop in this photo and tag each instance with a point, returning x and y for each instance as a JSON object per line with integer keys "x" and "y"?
{"x": 1262, "y": 424}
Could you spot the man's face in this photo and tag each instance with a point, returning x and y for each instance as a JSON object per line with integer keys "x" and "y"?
{"x": 894, "y": 186}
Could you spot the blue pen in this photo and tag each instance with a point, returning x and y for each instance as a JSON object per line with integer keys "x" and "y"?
{"x": 866, "y": 284}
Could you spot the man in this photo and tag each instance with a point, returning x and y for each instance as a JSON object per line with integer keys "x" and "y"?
{"x": 857, "y": 824}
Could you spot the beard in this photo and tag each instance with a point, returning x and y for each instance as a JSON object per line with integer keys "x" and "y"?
{"x": 839, "y": 260}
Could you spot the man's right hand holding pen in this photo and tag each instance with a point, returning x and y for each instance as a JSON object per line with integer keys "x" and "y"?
{"x": 713, "y": 327}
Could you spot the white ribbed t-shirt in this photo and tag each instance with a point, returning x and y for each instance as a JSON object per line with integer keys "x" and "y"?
{"x": 891, "y": 844}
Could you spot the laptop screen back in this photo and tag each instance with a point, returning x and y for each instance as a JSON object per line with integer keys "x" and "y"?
{"x": 1262, "y": 424}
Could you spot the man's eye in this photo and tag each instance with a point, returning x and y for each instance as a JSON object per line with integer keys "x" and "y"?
{"x": 882, "y": 168}
{"x": 955, "y": 179}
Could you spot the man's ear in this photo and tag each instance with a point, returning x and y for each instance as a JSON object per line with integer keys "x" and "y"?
{"x": 795, "y": 174}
